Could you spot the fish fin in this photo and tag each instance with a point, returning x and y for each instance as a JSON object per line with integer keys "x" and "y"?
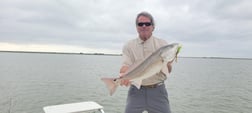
{"x": 111, "y": 84}
{"x": 137, "y": 83}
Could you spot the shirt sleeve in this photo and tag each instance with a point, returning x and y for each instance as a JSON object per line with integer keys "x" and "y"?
{"x": 126, "y": 59}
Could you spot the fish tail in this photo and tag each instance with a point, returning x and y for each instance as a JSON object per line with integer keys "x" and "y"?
{"x": 111, "y": 84}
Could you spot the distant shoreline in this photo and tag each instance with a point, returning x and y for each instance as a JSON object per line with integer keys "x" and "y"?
{"x": 220, "y": 58}
{"x": 61, "y": 53}
{"x": 105, "y": 54}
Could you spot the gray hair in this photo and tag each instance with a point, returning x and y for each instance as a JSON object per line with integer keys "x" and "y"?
{"x": 148, "y": 15}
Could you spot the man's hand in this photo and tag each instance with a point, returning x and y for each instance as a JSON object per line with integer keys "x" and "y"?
{"x": 125, "y": 83}
{"x": 169, "y": 66}
{"x": 122, "y": 71}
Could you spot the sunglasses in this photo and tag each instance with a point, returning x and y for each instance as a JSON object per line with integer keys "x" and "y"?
{"x": 144, "y": 23}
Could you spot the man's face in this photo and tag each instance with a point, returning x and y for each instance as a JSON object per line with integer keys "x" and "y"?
{"x": 144, "y": 27}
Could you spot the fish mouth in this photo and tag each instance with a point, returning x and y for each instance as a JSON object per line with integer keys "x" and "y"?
{"x": 178, "y": 50}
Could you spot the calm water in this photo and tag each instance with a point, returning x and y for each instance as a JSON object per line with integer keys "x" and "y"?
{"x": 28, "y": 82}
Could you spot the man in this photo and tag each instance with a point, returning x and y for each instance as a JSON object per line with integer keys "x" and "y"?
{"x": 152, "y": 96}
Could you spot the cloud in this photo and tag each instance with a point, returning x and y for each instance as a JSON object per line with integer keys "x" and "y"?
{"x": 109, "y": 24}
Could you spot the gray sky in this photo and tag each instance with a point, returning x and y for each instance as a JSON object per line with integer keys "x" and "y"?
{"x": 205, "y": 28}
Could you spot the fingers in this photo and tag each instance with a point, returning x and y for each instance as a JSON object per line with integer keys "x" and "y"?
{"x": 171, "y": 61}
{"x": 121, "y": 74}
{"x": 125, "y": 83}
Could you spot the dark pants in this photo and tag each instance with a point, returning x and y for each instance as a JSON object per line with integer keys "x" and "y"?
{"x": 153, "y": 100}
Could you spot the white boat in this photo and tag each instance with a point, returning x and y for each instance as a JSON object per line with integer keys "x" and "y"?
{"x": 86, "y": 107}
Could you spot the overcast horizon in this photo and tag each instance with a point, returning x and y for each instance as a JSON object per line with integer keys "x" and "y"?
{"x": 218, "y": 28}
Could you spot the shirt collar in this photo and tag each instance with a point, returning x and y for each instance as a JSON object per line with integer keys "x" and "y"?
{"x": 140, "y": 41}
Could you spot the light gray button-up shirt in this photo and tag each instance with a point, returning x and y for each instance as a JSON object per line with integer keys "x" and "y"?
{"x": 136, "y": 50}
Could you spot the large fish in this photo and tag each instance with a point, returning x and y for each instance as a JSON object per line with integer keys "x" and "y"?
{"x": 150, "y": 66}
